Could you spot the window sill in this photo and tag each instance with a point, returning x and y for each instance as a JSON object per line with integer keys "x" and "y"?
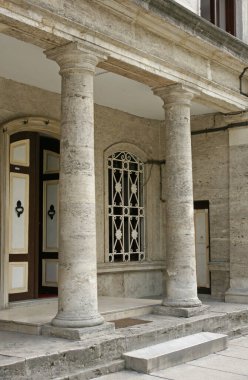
{"x": 130, "y": 267}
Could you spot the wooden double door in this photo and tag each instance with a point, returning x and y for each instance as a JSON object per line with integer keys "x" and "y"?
{"x": 33, "y": 216}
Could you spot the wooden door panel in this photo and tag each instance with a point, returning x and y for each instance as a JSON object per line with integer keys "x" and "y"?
{"x": 33, "y": 216}
{"x": 22, "y": 216}
{"x": 19, "y": 213}
{"x": 49, "y": 216}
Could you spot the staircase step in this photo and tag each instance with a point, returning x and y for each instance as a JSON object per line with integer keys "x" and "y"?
{"x": 237, "y": 331}
{"x": 95, "y": 371}
{"x": 174, "y": 352}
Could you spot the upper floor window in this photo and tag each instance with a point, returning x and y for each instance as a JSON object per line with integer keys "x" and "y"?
{"x": 221, "y": 13}
{"x": 125, "y": 207}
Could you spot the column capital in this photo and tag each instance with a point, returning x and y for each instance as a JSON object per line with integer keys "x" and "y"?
{"x": 76, "y": 56}
{"x": 175, "y": 94}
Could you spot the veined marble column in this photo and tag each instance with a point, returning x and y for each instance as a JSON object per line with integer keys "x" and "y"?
{"x": 181, "y": 286}
{"x": 77, "y": 247}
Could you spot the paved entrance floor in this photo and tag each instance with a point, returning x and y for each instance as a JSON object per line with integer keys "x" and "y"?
{"x": 43, "y": 357}
{"x": 30, "y": 316}
{"x": 230, "y": 364}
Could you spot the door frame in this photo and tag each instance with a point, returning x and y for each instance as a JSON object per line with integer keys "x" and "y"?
{"x": 41, "y": 125}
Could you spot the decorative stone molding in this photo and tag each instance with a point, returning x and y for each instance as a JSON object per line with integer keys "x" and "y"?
{"x": 33, "y": 124}
{"x": 76, "y": 57}
{"x": 176, "y": 94}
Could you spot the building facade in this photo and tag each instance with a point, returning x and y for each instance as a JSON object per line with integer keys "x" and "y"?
{"x": 151, "y": 119}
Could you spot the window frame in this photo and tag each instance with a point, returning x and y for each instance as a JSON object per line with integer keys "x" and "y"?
{"x": 132, "y": 217}
{"x": 230, "y": 15}
{"x": 142, "y": 156}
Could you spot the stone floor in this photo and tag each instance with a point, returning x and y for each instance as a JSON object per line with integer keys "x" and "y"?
{"x": 230, "y": 364}
{"x": 21, "y": 349}
{"x": 43, "y": 310}
{"x": 26, "y": 345}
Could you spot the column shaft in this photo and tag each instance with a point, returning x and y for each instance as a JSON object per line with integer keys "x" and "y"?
{"x": 77, "y": 248}
{"x": 181, "y": 286}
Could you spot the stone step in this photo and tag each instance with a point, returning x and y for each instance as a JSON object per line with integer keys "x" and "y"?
{"x": 17, "y": 368}
{"x": 237, "y": 331}
{"x": 174, "y": 352}
{"x": 93, "y": 372}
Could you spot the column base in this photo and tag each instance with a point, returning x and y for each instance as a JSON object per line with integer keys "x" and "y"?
{"x": 65, "y": 320}
{"x": 78, "y": 333}
{"x": 179, "y": 303}
{"x": 234, "y": 295}
{"x": 185, "y": 312}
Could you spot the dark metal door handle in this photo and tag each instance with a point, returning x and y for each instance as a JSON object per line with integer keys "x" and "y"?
{"x": 19, "y": 208}
{"x": 51, "y": 212}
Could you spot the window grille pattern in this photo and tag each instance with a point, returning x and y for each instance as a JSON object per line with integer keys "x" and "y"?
{"x": 125, "y": 207}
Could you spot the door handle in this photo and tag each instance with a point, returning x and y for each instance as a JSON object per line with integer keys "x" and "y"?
{"x": 19, "y": 208}
{"x": 51, "y": 212}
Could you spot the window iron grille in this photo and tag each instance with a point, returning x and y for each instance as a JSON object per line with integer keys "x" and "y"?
{"x": 125, "y": 207}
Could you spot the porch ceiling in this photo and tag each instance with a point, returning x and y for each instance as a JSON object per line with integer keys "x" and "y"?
{"x": 26, "y": 63}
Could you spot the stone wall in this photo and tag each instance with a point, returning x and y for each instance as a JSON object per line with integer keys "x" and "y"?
{"x": 19, "y": 100}
{"x": 238, "y": 207}
{"x": 211, "y": 182}
{"x": 111, "y": 127}
{"x": 118, "y": 128}
{"x": 211, "y": 173}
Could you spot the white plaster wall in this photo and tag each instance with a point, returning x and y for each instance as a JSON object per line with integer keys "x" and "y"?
{"x": 192, "y": 5}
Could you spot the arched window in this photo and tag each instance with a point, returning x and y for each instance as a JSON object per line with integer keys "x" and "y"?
{"x": 125, "y": 207}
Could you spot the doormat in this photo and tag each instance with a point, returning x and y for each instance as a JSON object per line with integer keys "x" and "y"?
{"x": 128, "y": 322}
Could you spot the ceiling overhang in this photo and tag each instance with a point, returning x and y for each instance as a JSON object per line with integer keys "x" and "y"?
{"x": 145, "y": 43}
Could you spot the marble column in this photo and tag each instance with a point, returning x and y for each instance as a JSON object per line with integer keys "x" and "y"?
{"x": 77, "y": 288}
{"x": 180, "y": 277}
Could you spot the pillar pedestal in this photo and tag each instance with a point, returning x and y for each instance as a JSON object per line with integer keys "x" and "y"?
{"x": 78, "y": 333}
